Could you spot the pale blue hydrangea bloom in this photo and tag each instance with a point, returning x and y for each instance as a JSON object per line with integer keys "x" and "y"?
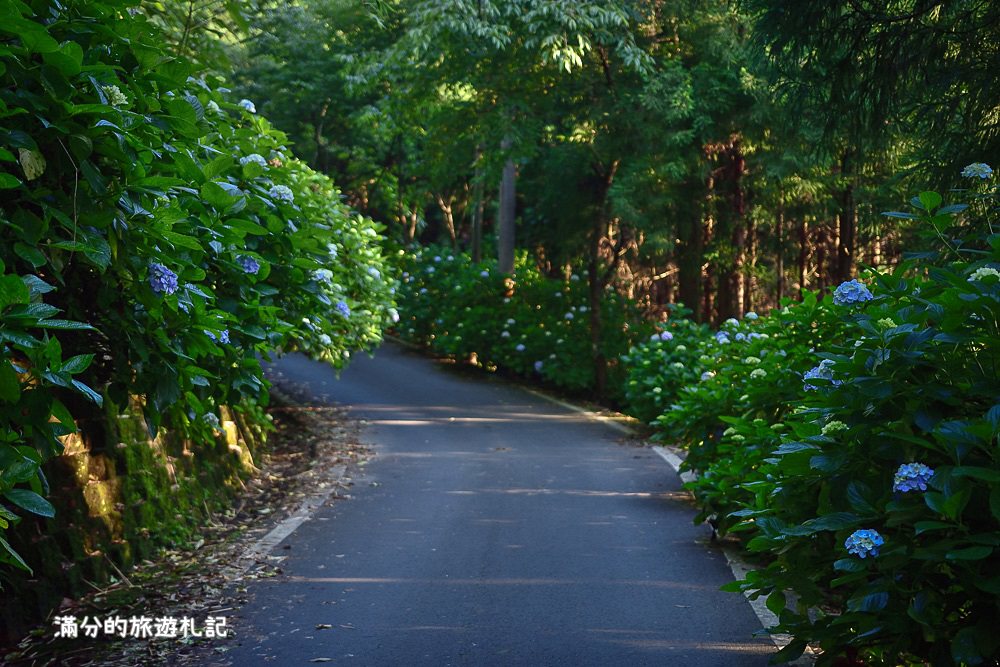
{"x": 281, "y": 193}
{"x": 343, "y": 308}
{"x": 484, "y": 274}
{"x": 731, "y": 322}
{"x": 324, "y": 339}
{"x": 248, "y": 105}
{"x": 912, "y": 477}
{"x": 751, "y": 315}
{"x": 430, "y": 269}
{"x": 707, "y": 375}
{"x": 212, "y": 420}
{"x": 520, "y": 347}
{"x": 253, "y": 158}
{"x": 851, "y": 291}
{"x": 569, "y": 316}
{"x": 721, "y": 338}
{"x": 538, "y": 366}
{"x": 505, "y": 334}
{"x": 394, "y": 315}
{"x": 740, "y": 337}
{"x": 322, "y": 275}
{"x": 374, "y": 273}
{"x": 864, "y": 543}
{"x": 574, "y": 278}
{"x": 249, "y": 264}
{"x": 162, "y": 279}
{"x": 822, "y": 372}
{"x": 977, "y": 170}
{"x": 224, "y": 336}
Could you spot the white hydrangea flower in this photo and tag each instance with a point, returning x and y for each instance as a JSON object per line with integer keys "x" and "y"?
{"x": 116, "y": 97}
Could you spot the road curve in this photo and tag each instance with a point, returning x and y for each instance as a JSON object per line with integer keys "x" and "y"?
{"x": 492, "y": 528}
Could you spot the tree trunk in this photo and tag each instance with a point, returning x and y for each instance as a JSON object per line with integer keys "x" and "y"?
{"x": 597, "y": 280}
{"x": 779, "y": 263}
{"x": 508, "y": 200}
{"x": 447, "y": 210}
{"x": 847, "y": 223}
{"x": 477, "y": 213}
{"x": 689, "y": 254}
{"x": 803, "y": 253}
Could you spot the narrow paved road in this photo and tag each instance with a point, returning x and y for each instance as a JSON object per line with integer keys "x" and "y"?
{"x": 492, "y": 528}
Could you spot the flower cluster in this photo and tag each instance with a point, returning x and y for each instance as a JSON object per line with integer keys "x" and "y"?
{"x": 984, "y": 272}
{"x": 323, "y": 275}
{"x": 912, "y": 477}
{"x": 248, "y": 264}
{"x": 822, "y": 372}
{"x": 116, "y": 97}
{"x": 253, "y": 158}
{"x": 343, "y": 308}
{"x": 834, "y": 426}
{"x": 977, "y": 170}
{"x": 223, "y": 337}
{"x": 162, "y": 279}
{"x": 886, "y": 323}
{"x": 758, "y": 373}
{"x": 663, "y": 335}
{"x": 281, "y": 193}
{"x": 864, "y": 543}
{"x": 248, "y": 105}
{"x": 851, "y": 291}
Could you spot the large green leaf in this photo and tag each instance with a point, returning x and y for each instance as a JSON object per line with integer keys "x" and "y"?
{"x": 30, "y": 501}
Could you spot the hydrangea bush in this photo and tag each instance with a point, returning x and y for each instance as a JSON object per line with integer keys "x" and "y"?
{"x": 529, "y": 324}
{"x": 149, "y": 248}
{"x": 883, "y": 506}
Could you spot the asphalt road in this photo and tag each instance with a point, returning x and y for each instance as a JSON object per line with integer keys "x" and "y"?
{"x": 492, "y": 528}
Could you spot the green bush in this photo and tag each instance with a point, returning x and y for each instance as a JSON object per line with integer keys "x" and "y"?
{"x": 528, "y": 324}
{"x": 157, "y": 239}
{"x": 884, "y": 510}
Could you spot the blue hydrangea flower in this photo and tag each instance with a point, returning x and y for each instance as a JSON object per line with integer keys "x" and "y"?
{"x": 343, "y": 308}
{"x": 568, "y": 316}
{"x": 484, "y": 274}
{"x": 374, "y": 273}
{"x": 324, "y": 339}
{"x": 751, "y": 315}
{"x": 912, "y": 477}
{"x": 822, "y": 372}
{"x": 851, "y": 291}
{"x": 212, "y": 420}
{"x": 162, "y": 279}
{"x": 864, "y": 543}
{"x": 224, "y": 336}
{"x": 281, "y": 193}
{"x": 248, "y": 105}
{"x": 538, "y": 366}
{"x": 721, "y": 337}
{"x": 248, "y": 264}
{"x": 519, "y": 347}
{"x": 211, "y": 336}
{"x": 666, "y": 335}
{"x": 977, "y": 170}
{"x": 254, "y": 158}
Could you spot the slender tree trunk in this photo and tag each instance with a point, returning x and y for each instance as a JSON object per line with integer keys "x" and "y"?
{"x": 598, "y": 280}
{"x": 508, "y": 200}
{"x": 690, "y": 252}
{"x": 803, "y": 254}
{"x": 477, "y": 212}
{"x": 447, "y": 210}
{"x": 847, "y": 223}
{"x": 749, "y": 264}
{"x": 779, "y": 264}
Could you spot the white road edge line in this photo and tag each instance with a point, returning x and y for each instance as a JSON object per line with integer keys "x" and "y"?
{"x": 262, "y": 547}
{"x": 674, "y": 458}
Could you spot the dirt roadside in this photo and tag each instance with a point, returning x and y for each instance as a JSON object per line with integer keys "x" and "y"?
{"x": 312, "y": 450}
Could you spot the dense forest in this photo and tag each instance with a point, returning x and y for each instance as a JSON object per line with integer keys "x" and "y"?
{"x": 718, "y": 154}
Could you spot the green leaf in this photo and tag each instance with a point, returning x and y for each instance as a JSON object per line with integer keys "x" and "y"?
{"x": 12, "y": 291}
{"x": 30, "y": 254}
{"x": 10, "y": 385}
{"x": 969, "y": 553}
{"x": 67, "y": 325}
{"x": 32, "y": 162}
{"x": 30, "y": 501}
{"x": 88, "y": 392}
{"x": 8, "y": 182}
{"x": 929, "y": 200}
{"x": 77, "y": 364}
{"x": 14, "y": 555}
